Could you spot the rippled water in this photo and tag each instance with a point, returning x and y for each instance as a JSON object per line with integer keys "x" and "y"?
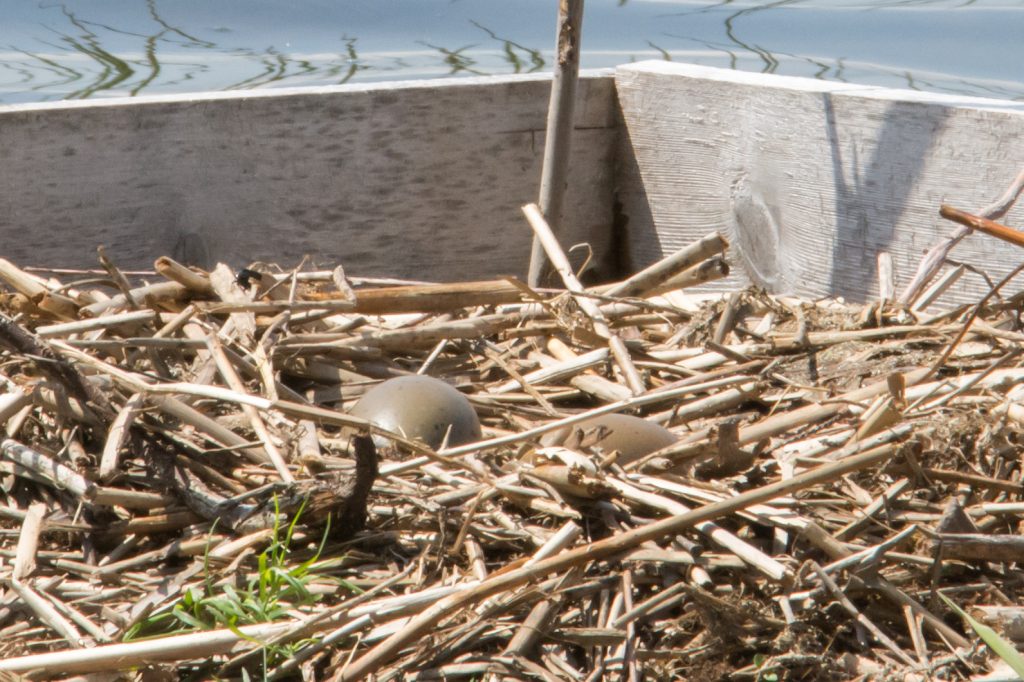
{"x": 87, "y": 48}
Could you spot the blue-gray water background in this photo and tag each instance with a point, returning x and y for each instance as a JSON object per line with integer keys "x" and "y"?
{"x": 53, "y": 50}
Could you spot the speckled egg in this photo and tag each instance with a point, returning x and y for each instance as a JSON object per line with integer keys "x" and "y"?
{"x": 631, "y": 436}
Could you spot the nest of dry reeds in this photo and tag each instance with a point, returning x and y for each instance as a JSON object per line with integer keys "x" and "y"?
{"x": 186, "y": 493}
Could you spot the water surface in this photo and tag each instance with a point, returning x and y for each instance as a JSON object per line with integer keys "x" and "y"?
{"x": 53, "y": 50}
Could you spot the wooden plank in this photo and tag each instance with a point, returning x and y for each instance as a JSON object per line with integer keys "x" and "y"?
{"x": 421, "y": 179}
{"x": 810, "y": 180}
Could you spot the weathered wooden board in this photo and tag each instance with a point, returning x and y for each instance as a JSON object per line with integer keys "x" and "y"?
{"x": 421, "y": 180}
{"x": 811, "y": 180}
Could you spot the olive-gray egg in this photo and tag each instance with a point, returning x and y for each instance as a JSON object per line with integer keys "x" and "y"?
{"x": 420, "y": 408}
{"x": 631, "y": 436}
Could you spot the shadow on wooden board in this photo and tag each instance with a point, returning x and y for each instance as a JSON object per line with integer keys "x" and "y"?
{"x": 871, "y": 193}
{"x": 810, "y": 180}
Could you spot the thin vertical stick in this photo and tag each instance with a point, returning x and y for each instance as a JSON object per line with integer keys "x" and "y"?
{"x": 553, "y": 179}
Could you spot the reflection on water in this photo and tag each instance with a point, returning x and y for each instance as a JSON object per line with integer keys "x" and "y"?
{"x": 86, "y": 48}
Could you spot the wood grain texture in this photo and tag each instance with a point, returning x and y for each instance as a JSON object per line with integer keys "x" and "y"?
{"x": 810, "y": 180}
{"x": 420, "y": 180}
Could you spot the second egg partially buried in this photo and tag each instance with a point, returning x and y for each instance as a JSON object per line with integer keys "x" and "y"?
{"x": 420, "y": 408}
{"x": 632, "y": 437}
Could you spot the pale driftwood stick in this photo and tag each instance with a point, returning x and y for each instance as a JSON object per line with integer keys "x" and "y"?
{"x": 744, "y": 550}
{"x": 185, "y": 276}
{"x": 94, "y": 323}
{"x": 600, "y": 388}
{"x": 159, "y": 291}
{"x": 531, "y": 629}
{"x": 308, "y": 445}
{"x": 557, "y": 372}
{"x": 272, "y": 307}
{"x": 558, "y": 140}
{"x": 45, "y": 611}
{"x": 626, "y": 651}
{"x": 1001, "y": 206}
{"x": 11, "y": 403}
{"x": 58, "y": 305}
{"x": 886, "y": 277}
{"x": 494, "y": 354}
{"x": 436, "y": 297}
{"x": 713, "y": 404}
{"x": 38, "y": 291}
{"x": 137, "y": 654}
{"x": 939, "y": 287}
{"x": 227, "y": 371}
{"x": 116, "y": 435}
{"x": 78, "y": 618}
{"x": 21, "y": 281}
{"x": 653, "y": 276}
{"x": 712, "y": 269}
{"x": 882, "y": 414}
{"x": 561, "y": 264}
{"x": 794, "y": 341}
{"x": 936, "y": 256}
{"x": 418, "y": 626}
{"x": 767, "y": 515}
{"x": 175, "y": 324}
{"x": 562, "y": 539}
{"x": 860, "y": 617}
{"x": 227, "y": 289}
{"x": 131, "y": 499}
{"x": 588, "y": 382}
{"x": 975, "y": 480}
{"x": 917, "y": 635}
{"x": 117, "y": 277}
{"x": 426, "y": 336}
{"x": 727, "y": 320}
{"x": 60, "y": 476}
{"x": 28, "y": 541}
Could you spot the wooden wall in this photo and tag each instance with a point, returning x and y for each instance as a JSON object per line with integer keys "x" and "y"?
{"x": 422, "y": 180}
{"x": 811, "y": 180}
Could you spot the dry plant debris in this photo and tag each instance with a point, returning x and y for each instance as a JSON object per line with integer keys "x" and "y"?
{"x": 185, "y": 491}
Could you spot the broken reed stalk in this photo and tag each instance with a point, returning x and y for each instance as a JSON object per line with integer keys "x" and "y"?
{"x": 134, "y": 654}
{"x": 558, "y": 140}
{"x": 373, "y": 660}
{"x": 201, "y": 394}
{"x": 936, "y": 256}
{"x": 654, "y": 276}
{"x": 561, "y": 264}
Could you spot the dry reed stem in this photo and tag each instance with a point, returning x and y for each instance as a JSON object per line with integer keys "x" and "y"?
{"x": 135, "y": 429}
